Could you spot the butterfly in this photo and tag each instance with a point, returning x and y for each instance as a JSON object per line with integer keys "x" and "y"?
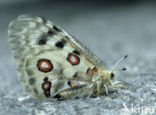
{"x": 52, "y": 63}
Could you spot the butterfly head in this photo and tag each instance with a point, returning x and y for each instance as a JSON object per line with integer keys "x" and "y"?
{"x": 110, "y": 75}
{"x": 106, "y": 74}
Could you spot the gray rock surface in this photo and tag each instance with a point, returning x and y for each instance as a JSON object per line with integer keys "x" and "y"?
{"x": 110, "y": 31}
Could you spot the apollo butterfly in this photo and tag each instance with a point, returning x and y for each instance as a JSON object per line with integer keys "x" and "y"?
{"x": 52, "y": 63}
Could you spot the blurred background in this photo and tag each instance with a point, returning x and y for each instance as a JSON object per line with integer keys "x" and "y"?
{"x": 109, "y": 28}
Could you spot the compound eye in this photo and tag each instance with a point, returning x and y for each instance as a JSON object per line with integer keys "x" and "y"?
{"x": 112, "y": 75}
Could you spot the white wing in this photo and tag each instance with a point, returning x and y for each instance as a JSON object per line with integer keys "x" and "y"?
{"x": 32, "y": 30}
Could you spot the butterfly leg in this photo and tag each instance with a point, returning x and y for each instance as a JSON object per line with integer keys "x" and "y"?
{"x": 106, "y": 89}
{"x": 120, "y": 84}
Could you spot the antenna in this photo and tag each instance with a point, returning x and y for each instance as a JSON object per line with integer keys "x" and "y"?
{"x": 124, "y": 69}
{"x": 115, "y": 65}
{"x": 118, "y": 62}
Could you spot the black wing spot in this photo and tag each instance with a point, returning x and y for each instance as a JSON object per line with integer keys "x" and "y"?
{"x": 60, "y": 44}
{"x": 45, "y": 79}
{"x": 31, "y": 81}
{"x": 30, "y": 72}
{"x": 69, "y": 83}
{"x": 76, "y": 52}
{"x": 57, "y": 29}
{"x": 35, "y": 90}
{"x": 42, "y": 41}
{"x": 50, "y": 32}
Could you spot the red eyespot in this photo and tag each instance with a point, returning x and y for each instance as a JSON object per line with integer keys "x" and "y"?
{"x": 46, "y": 88}
{"x": 47, "y": 93}
{"x": 95, "y": 69}
{"x": 45, "y": 65}
{"x": 73, "y": 59}
{"x": 89, "y": 72}
{"x": 46, "y": 85}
